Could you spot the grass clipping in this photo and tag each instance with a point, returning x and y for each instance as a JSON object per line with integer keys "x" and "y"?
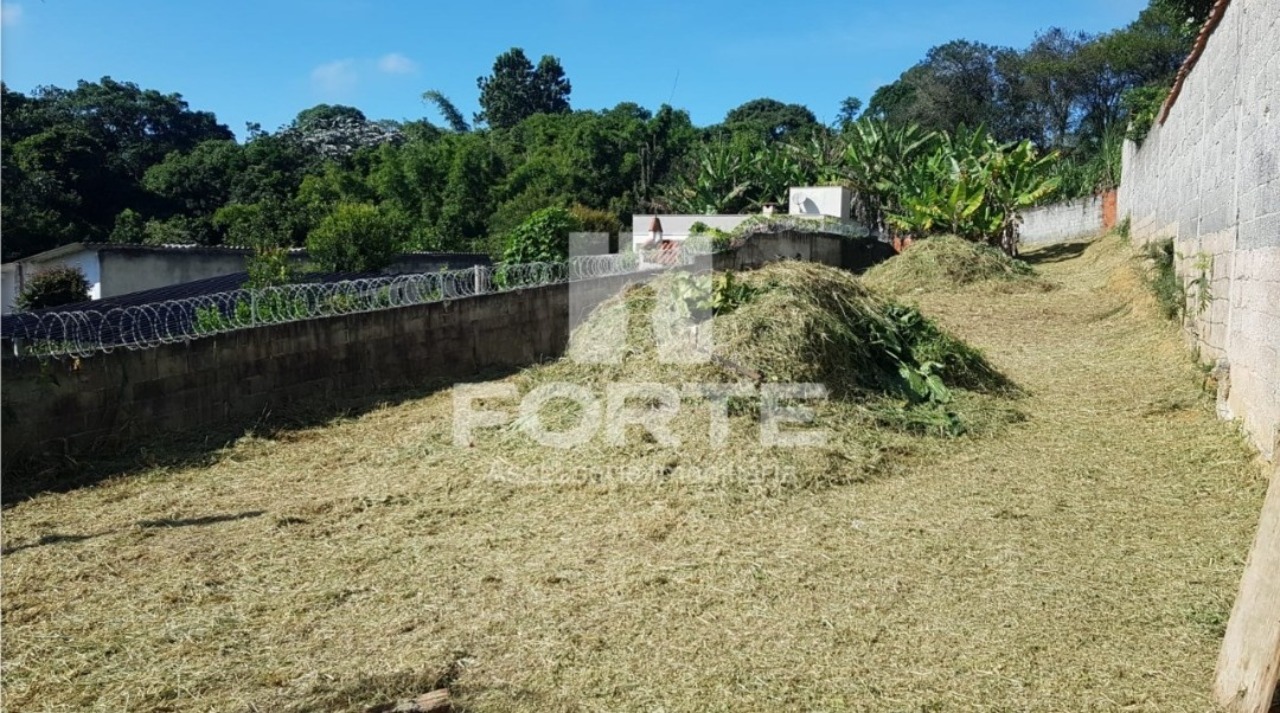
{"x": 946, "y": 262}
{"x": 889, "y": 374}
{"x": 788, "y": 322}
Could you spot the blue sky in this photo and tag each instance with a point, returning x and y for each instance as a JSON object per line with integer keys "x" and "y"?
{"x": 266, "y": 60}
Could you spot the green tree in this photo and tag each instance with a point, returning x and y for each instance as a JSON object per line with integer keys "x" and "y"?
{"x": 73, "y": 159}
{"x": 355, "y": 237}
{"x": 129, "y": 228}
{"x": 198, "y": 182}
{"x": 322, "y": 115}
{"x": 772, "y": 119}
{"x": 850, "y": 107}
{"x": 517, "y": 89}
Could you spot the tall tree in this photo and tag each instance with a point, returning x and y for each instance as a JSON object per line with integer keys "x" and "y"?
{"x": 322, "y": 115}
{"x": 73, "y": 159}
{"x": 517, "y": 89}
{"x": 772, "y": 119}
{"x": 850, "y": 107}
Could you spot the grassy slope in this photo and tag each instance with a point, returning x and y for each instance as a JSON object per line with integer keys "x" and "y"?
{"x": 1082, "y": 560}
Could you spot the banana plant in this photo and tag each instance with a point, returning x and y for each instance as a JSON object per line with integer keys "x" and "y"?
{"x": 879, "y": 160}
{"x": 1020, "y": 178}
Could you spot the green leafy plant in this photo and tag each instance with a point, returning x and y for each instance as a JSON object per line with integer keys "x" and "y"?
{"x": 729, "y": 293}
{"x": 972, "y": 186}
{"x": 53, "y": 287}
{"x": 596, "y": 221}
{"x": 1143, "y": 106}
{"x": 1163, "y": 280}
{"x": 544, "y": 237}
{"x": 354, "y": 237}
{"x": 1202, "y": 283}
{"x": 269, "y": 266}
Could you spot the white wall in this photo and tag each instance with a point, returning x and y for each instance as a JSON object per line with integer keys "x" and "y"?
{"x": 832, "y": 201}
{"x": 1209, "y": 178}
{"x": 1060, "y": 222}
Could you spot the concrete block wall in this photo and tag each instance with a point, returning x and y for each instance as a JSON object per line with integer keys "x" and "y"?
{"x": 79, "y": 406}
{"x": 1063, "y": 221}
{"x": 1209, "y": 178}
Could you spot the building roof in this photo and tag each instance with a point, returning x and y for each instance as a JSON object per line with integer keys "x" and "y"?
{"x": 1210, "y": 24}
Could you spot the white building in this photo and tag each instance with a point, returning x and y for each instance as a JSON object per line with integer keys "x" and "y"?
{"x": 803, "y": 201}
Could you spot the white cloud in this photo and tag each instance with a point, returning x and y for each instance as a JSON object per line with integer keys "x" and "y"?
{"x": 396, "y": 63}
{"x": 10, "y": 14}
{"x": 335, "y": 78}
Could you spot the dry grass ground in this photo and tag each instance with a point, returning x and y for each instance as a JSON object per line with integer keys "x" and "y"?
{"x": 1082, "y": 559}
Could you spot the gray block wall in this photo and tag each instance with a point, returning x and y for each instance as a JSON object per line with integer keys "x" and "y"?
{"x": 79, "y": 406}
{"x": 1063, "y": 221}
{"x": 1209, "y": 178}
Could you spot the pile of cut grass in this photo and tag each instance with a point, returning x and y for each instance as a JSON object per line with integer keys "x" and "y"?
{"x": 889, "y": 374}
{"x": 787, "y": 322}
{"x": 945, "y": 262}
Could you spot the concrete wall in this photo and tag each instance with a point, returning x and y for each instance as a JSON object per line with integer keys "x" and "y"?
{"x": 1209, "y": 178}
{"x": 78, "y": 406}
{"x": 1064, "y": 221}
{"x": 125, "y": 271}
{"x": 833, "y": 201}
{"x": 850, "y": 254}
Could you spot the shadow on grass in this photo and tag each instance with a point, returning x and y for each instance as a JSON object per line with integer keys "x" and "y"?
{"x": 206, "y": 520}
{"x": 1059, "y": 252}
{"x": 59, "y": 538}
{"x": 54, "y": 472}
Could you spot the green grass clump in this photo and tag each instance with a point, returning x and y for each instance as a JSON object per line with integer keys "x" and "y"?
{"x": 945, "y": 262}
{"x": 1162, "y": 279}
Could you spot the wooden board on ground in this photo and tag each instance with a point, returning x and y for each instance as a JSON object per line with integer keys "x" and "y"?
{"x": 1249, "y": 665}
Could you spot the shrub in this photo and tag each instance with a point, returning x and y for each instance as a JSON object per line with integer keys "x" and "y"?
{"x": 355, "y": 237}
{"x": 269, "y": 266}
{"x": 1143, "y": 104}
{"x": 54, "y": 287}
{"x": 596, "y": 221}
{"x": 544, "y": 237}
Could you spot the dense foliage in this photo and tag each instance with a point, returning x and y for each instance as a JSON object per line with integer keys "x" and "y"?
{"x": 53, "y": 287}
{"x": 544, "y": 237}
{"x": 108, "y": 160}
{"x": 355, "y": 237}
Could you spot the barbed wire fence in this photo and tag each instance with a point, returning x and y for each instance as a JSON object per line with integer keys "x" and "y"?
{"x": 84, "y": 333}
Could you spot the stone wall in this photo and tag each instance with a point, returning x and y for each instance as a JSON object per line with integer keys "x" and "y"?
{"x": 1209, "y": 178}
{"x": 78, "y": 406}
{"x": 1064, "y": 221}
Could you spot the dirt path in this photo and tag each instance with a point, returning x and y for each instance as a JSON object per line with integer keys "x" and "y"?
{"x": 1082, "y": 560}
